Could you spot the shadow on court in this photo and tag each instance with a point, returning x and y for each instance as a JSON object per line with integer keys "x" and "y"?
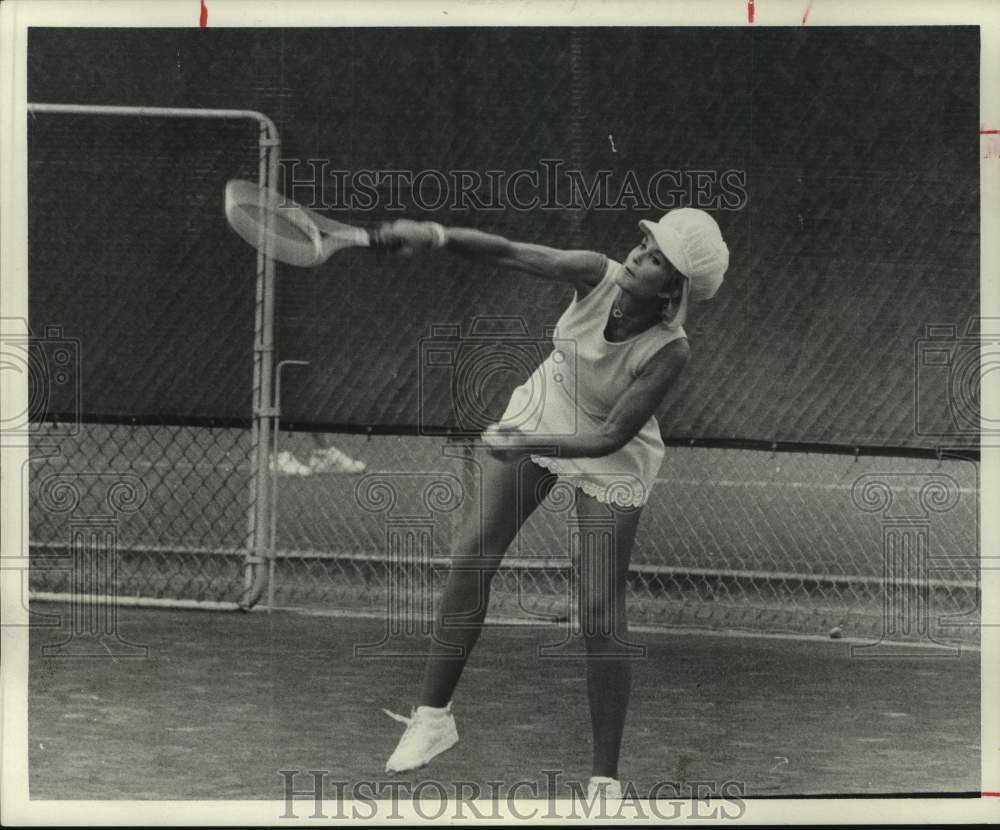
{"x": 224, "y": 701}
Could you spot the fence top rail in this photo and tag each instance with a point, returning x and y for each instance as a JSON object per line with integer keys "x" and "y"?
{"x": 157, "y": 112}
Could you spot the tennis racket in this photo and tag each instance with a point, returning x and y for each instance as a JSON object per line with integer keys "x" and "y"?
{"x": 290, "y": 232}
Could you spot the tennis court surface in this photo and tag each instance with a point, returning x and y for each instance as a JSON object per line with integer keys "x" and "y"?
{"x": 223, "y": 701}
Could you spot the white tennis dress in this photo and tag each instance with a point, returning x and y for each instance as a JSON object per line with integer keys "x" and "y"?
{"x": 575, "y": 389}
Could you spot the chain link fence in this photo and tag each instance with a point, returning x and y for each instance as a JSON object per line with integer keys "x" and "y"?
{"x": 731, "y": 539}
{"x": 169, "y": 508}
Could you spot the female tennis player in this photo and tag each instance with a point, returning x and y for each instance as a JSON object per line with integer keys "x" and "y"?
{"x": 593, "y": 411}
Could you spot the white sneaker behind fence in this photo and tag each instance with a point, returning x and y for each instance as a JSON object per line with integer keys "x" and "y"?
{"x": 286, "y": 464}
{"x": 332, "y": 460}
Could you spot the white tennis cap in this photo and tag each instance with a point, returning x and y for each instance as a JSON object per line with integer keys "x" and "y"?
{"x": 693, "y": 243}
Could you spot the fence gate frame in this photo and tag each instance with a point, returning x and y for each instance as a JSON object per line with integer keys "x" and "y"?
{"x": 259, "y": 537}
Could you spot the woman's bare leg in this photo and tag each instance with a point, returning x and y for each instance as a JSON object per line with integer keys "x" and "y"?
{"x": 509, "y": 492}
{"x": 605, "y": 539}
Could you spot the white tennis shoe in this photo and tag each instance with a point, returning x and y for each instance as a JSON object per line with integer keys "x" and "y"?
{"x": 429, "y": 732}
{"x": 332, "y": 460}
{"x": 607, "y": 789}
{"x": 286, "y": 464}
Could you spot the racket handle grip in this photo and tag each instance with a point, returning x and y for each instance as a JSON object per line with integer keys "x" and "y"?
{"x": 382, "y": 238}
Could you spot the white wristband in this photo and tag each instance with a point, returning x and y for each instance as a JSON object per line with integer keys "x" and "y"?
{"x": 439, "y": 234}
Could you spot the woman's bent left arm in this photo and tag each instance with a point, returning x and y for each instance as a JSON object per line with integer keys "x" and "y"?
{"x": 640, "y": 402}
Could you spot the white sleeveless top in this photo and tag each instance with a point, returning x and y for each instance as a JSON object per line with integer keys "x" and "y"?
{"x": 577, "y": 386}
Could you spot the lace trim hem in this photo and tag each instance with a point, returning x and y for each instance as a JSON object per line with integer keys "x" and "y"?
{"x": 620, "y": 494}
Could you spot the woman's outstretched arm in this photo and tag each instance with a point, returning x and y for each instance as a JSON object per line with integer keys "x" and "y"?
{"x": 579, "y": 267}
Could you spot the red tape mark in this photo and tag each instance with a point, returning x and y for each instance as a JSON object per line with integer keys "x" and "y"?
{"x": 203, "y": 19}
{"x": 805, "y": 16}
{"x": 991, "y": 795}
{"x": 750, "y": 10}
{"x": 989, "y": 132}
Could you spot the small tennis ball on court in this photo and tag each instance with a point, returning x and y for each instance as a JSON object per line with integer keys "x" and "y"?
{"x": 836, "y": 632}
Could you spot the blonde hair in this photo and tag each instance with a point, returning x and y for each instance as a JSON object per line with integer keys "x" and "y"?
{"x": 674, "y": 306}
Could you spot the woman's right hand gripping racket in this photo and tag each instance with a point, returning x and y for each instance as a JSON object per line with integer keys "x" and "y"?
{"x": 292, "y": 233}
